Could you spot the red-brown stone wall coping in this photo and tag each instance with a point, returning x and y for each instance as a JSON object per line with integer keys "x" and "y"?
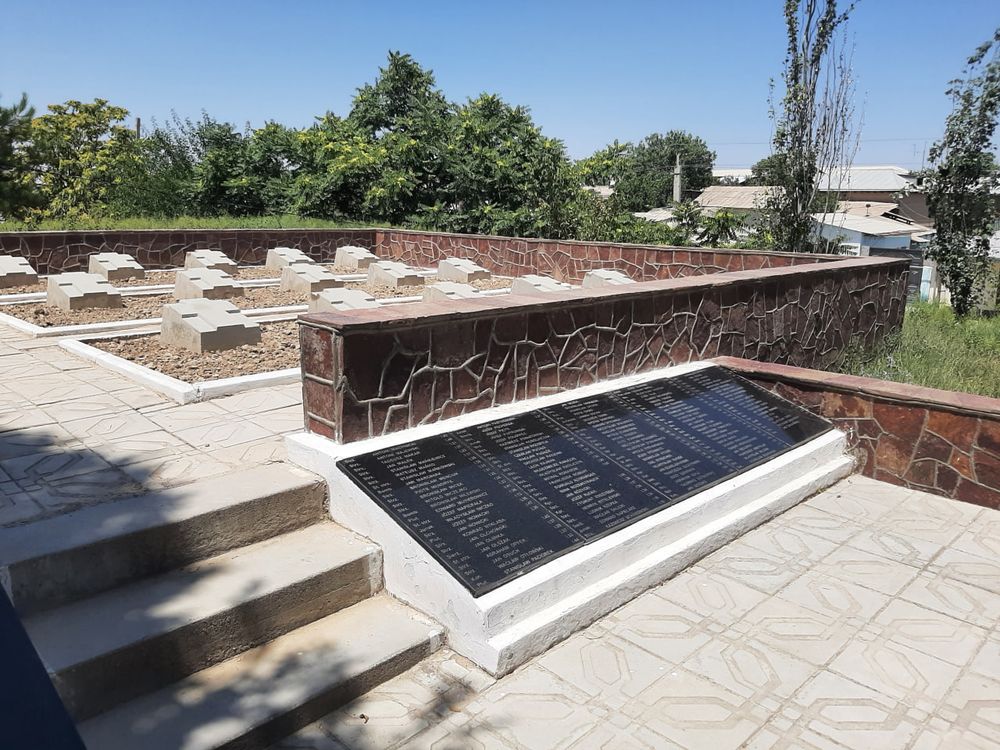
{"x": 428, "y": 313}
{"x": 371, "y": 372}
{"x": 937, "y": 441}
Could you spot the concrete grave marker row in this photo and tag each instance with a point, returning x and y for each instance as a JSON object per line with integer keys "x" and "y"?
{"x": 534, "y": 284}
{"x": 16, "y": 271}
{"x": 307, "y": 277}
{"x": 81, "y": 291}
{"x": 279, "y": 257}
{"x": 115, "y": 266}
{"x": 211, "y": 259}
{"x": 339, "y": 300}
{"x": 206, "y": 283}
{"x": 353, "y": 258}
{"x": 461, "y": 270}
{"x": 206, "y": 325}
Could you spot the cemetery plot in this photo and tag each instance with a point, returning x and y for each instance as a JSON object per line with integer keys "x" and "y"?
{"x": 278, "y": 349}
{"x": 494, "y": 501}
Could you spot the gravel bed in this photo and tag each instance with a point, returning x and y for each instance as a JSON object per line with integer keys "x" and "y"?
{"x": 497, "y": 282}
{"x": 278, "y": 350}
{"x": 378, "y": 291}
{"x": 142, "y": 307}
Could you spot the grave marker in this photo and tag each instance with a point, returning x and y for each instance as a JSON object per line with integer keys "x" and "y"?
{"x": 81, "y": 291}
{"x": 115, "y": 266}
{"x": 353, "y": 258}
{"x": 279, "y": 257}
{"x": 393, "y": 275}
{"x": 448, "y": 290}
{"x": 339, "y": 300}
{"x": 212, "y": 259}
{"x": 16, "y": 271}
{"x": 605, "y": 277}
{"x": 461, "y": 270}
{"x": 207, "y": 283}
{"x": 206, "y": 325}
{"x": 307, "y": 277}
{"x": 534, "y": 284}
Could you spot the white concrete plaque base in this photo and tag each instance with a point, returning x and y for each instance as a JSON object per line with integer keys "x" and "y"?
{"x": 503, "y": 628}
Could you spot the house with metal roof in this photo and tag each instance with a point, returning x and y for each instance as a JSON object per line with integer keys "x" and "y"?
{"x": 879, "y": 183}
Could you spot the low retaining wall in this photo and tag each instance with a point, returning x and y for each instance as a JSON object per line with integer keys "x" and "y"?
{"x": 55, "y": 252}
{"x": 943, "y": 442}
{"x": 371, "y": 372}
{"x": 570, "y": 260}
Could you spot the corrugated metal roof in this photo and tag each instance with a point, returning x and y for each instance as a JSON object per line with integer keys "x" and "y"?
{"x": 737, "y": 197}
{"x": 875, "y": 179}
{"x": 656, "y": 214}
{"x": 866, "y": 208}
{"x": 741, "y": 175}
{"x": 873, "y": 225}
{"x": 602, "y": 191}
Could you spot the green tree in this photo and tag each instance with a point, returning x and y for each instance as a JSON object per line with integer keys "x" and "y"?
{"x": 16, "y": 192}
{"x": 721, "y": 228}
{"x": 647, "y": 169}
{"x": 410, "y": 121}
{"x": 768, "y": 171}
{"x": 687, "y": 218}
{"x": 814, "y": 123}
{"x": 603, "y": 167}
{"x": 78, "y": 154}
{"x": 597, "y": 220}
{"x": 504, "y": 175}
{"x": 961, "y": 185}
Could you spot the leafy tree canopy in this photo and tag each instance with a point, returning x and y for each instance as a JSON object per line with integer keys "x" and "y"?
{"x": 965, "y": 177}
{"x": 647, "y": 170}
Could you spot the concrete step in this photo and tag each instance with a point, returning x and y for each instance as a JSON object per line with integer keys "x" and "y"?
{"x": 130, "y": 641}
{"x": 263, "y": 695}
{"x": 72, "y": 556}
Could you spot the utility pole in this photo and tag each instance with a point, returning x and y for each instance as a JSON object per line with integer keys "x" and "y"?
{"x": 677, "y": 179}
{"x": 138, "y": 127}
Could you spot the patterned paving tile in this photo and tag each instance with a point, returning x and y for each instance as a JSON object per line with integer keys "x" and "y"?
{"x": 284, "y": 420}
{"x": 98, "y": 405}
{"x": 30, "y": 440}
{"x": 174, "y": 470}
{"x": 130, "y": 449}
{"x": 226, "y": 434}
{"x": 266, "y": 451}
{"x": 602, "y": 664}
{"x": 708, "y": 594}
{"x": 256, "y": 402}
{"x": 22, "y": 418}
{"x": 852, "y": 714}
{"x": 695, "y": 712}
{"x": 190, "y": 415}
{"x": 834, "y": 597}
{"x": 955, "y": 598}
{"x": 123, "y": 424}
{"x": 931, "y": 632}
{"x": 534, "y": 709}
{"x": 973, "y": 705}
{"x": 959, "y": 565}
{"x": 866, "y": 569}
{"x": 665, "y": 630}
{"x": 803, "y": 633}
{"x": 817, "y": 522}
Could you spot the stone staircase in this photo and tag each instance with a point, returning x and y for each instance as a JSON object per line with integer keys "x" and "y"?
{"x": 227, "y": 613}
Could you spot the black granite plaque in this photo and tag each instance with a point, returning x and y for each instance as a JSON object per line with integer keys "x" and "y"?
{"x": 494, "y": 501}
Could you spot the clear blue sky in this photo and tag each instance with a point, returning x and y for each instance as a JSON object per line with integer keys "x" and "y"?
{"x": 590, "y": 71}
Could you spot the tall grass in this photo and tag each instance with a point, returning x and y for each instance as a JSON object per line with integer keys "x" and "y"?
{"x": 284, "y": 221}
{"x": 937, "y": 350}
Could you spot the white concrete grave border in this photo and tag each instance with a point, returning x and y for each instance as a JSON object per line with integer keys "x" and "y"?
{"x": 503, "y": 628}
{"x": 180, "y": 391}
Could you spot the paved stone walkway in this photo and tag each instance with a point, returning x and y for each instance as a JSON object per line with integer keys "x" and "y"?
{"x": 867, "y": 617}
{"x": 72, "y": 432}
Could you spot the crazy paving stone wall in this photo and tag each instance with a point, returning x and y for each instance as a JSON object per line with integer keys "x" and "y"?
{"x": 55, "y": 252}
{"x": 371, "y": 372}
{"x": 570, "y": 261}
{"x": 943, "y": 442}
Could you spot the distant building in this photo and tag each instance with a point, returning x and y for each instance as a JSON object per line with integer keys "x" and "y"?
{"x": 736, "y": 198}
{"x": 732, "y": 176}
{"x": 880, "y": 184}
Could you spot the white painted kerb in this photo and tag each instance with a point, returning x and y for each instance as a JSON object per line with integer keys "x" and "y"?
{"x": 520, "y": 619}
